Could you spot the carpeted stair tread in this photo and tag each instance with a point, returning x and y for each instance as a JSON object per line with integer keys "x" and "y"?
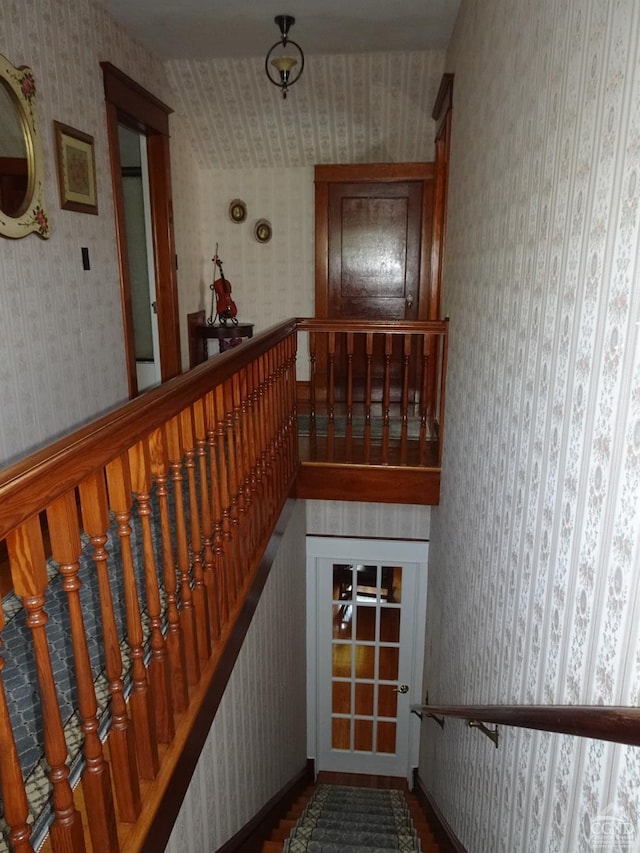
{"x": 374, "y": 823}
{"x": 354, "y": 820}
{"x": 329, "y": 847}
{"x": 386, "y": 840}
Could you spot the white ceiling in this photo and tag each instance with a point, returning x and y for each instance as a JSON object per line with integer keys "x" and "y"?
{"x": 207, "y": 29}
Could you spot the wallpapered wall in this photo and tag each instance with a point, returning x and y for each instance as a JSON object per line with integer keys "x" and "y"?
{"x": 61, "y": 345}
{"x": 252, "y": 145}
{"x": 534, "y": 592}
{"x": 258, "y": 739}
{"x": 373, "y": 108}
{"x": 367, "y": 520}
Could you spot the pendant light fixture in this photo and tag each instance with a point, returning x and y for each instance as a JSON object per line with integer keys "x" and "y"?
{"x": 283, "y": 58}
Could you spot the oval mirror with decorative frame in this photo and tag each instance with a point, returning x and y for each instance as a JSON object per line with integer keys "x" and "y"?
{"x": 21, "y": 167}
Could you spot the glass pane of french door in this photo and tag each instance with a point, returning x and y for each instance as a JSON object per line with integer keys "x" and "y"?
{"x": 365, "y": 649}
{"x": 365, "y": 657}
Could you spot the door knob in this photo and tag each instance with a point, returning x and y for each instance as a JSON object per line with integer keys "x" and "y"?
{"x": 404, "y": 688}
{"x": 409, "y": 300}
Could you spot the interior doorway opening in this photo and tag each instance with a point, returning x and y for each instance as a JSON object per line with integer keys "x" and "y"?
{"x": 366, "y": 614}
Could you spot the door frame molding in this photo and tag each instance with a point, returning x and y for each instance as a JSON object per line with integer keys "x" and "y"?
{"x": 337, "y": 548}
{"x": 428, "y": 303}
{"x": 129, "y": 103}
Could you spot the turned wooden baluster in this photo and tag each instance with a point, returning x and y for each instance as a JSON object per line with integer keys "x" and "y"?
{"x": 272, "y": 431}
{"x": 221, "y": 585}
{"x": 404, "y": 405}
{"x": 175, "y": 636}
{"x": 64, "y": 531}
{"x": 203, "y": 629}
{"x": 254, "y": 444}
{"x": 12, "y": 791}
{"x": 232, "y": 471}
{"x": 331, "y": 396}
{"x": 313, "y": 382}
{"x": 187, "y": 612}
{"x": 207, "y": 523}
{"x": 285, "y": 424}
{"x": 122, "y": 750}
{"x": 386, "y": 396}
{"x": 158, "y": 668}
{"x": 349, "y": 426}
{"x": 29, "y": 577}
{"x": 293, "y": 351}
{"x": 261, "y": 431}
{"x": 141, "y": 699}
{"x": 276, "y": 444}
{"x": 245, "y": 448}
{"x": 225, "y": 461}
{"x": 424, "y": 404}
{"x": 367, "y": 396}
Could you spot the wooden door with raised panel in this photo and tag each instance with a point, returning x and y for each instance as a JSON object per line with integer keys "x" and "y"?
{"x": 374, "y": 225}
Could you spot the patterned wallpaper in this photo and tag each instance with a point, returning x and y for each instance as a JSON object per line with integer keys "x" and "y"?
{"x": 61, "y": 351}
{"x": 258, "y": 739}
{"x": 251, "y": 145}
{"x": 367, "y": 520}
{"x": 535, "y": 559}
{"x": 361, "y": 108}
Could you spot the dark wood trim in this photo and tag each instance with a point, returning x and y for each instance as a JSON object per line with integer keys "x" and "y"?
{"x": 361, "y": 172}
{"x": 129, "y": 103}
{"x": 197, "y": 344}
{"x": 143, "y": 110}
{"x": 442, "y": 112}
{"x": 253, "y": 834}
{"x": 171, "y": 799}
{"x": 392, "y": 327}
{"x": 615, "y": 723}
{"x": 444, "y": 101}
{"x": 382, "y": 484}
{"x": 121, "y": 246}
{"x": 435, "y": 816}
{"x": 322, "y": 245}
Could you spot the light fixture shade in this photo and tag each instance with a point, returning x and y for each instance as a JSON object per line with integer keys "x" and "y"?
{"x": 283, "y": 62}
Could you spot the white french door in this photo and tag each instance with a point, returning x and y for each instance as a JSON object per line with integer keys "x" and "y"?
{"x": 367, "y": 630}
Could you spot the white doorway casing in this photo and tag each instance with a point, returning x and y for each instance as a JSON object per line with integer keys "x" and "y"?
{"x": 322, "y": 553}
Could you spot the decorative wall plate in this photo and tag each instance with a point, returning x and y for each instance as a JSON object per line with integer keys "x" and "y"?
{"x": 237, "y": 210}
{"x": 263, "y": 231}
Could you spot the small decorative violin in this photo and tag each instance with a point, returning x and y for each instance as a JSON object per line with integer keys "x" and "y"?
{"x": 226, "y": 309}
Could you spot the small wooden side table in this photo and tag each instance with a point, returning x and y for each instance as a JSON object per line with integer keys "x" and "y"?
{"x": 200, "y": 332}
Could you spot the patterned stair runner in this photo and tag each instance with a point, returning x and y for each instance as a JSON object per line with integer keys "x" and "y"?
{"x": 353, "y": 820}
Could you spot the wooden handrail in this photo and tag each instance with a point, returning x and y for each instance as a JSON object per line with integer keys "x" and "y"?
{"x": 165, "y": 507}
{"x": 30, "y": 484}
{"x": 616, "y": 723}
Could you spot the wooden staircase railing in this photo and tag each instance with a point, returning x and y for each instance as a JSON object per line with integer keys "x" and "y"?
{"x": 144, "y": 532}
{"x": 168, "y": 504}
{"x": 374, "y": 402}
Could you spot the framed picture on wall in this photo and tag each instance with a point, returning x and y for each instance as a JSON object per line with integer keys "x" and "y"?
{"x": 76, "y": 169}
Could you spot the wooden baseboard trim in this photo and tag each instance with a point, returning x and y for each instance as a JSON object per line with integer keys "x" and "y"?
{"x": 252, "y": 835}
{"x": 433, "y": 811}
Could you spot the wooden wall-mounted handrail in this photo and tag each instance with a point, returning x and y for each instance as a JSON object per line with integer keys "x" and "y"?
{"x": 616, "y": 723}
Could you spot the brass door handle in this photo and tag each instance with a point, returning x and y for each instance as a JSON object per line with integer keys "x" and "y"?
{"x": 404, "y": 688}
{"x": 409, "y": 300}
